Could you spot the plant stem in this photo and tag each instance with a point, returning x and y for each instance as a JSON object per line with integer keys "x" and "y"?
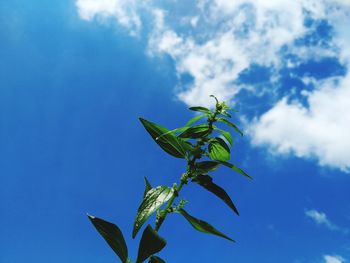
{"x": 184, "y": 178}
{"x": 166, "y": 211}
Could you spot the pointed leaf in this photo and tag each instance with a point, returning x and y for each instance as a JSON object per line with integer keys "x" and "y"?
{"x": 200, "y": 109}
{"x": 225, "y": 113}
{"x": 169, "y": 143}
{"x": 231, "y": 125}
{"x": 218, "y": 150}
{"x": 153, "y": 200}
{"x": 194, "y": 119}
{"x": 155, "y": 259}
{"x": 181, "y": 129}
{"x": 150, "y": 244}
{"x": 207, "y": 166}
{"x": 235, "y": 168}
{"x": 207, "y": 182}
{"x": 226, "y": 134}
{"x": 147, "y": 187}
{"x": 202, "y": 226}
{"x": 195, "y": 132}
{"x": 216, "y": 99}
{"x": 113, "y": 236}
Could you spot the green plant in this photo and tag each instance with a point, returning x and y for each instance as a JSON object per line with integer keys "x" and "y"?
{"x": 193, "y": 143}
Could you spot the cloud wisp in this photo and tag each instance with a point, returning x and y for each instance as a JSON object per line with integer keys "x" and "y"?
{"x": 333, "y": 259}
{"x": 321, "y": 219}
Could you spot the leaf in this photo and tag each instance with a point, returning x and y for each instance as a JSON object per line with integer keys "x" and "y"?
{"x": 203, "y": 226}
{"x": 207, "y": 166}
{"x": 231, "y": 125}
{"x": 147, "y": 187}
{"x": 218, "y": 150}
{"x": 113, "y": 236}
{"x": 235, "y": 168}
{"x": 153, "y": 200}
{"x": 207, "y": 182}
{"x": 216, "y": 99}
{"x": 194, "y": 119}
{"x": 195, "y": 132}
{"x": 226, "y": 134}
{"x": 222, "y": 143}
{"x": 155, "y": 259}
{"x": 181, "y": 129}
{"x": 150, "y": 244}
{"x": 169, "y": 143}
{"x": 200, "y": 109}
{"x": 225, "y": 113}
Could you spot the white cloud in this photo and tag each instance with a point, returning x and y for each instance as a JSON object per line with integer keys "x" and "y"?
{"x": 124, "y": 11}
{"x": 245, "y": 33}
{"x": 210, "y": 63}
{"x": 320, "y": 131}
{"x": 215, "y": 59}
{"x": 333, "y": 259}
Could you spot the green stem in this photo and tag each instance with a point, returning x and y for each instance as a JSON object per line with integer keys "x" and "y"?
{"x": 184, "y": 178}
{"x": 166, "y": 211}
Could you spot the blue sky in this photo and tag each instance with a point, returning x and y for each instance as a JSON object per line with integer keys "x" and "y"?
{"x": 76, "y": 75}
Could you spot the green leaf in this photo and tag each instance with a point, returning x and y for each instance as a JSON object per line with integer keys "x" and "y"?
{"x": 195, "y": 132}
{"x": 225, "y": 113}
{"x": 207, "y": 182}
{"x": 218, "y": 150}
{"x": 235, "y": 168}
{"x": 216, "y": 99}
{"x": 155, "y": 259}
{"x": 194, "y": 119}
{"x": 147, "y": 187}
{"x": 200, "y": 109}
{"x": 153, "y": 200}
{"x": 231, "y": 125}
{"x": 169, "y": 143}
{"x": 150, "y": 244}
{"x": 207, "y": 166}
{"x": 202, "y": 226}
{"x": 181, "y": 129}
{"x": 226, "y": 134}
{"x": 113, "y": 236}
{"x": 222, "y": 143}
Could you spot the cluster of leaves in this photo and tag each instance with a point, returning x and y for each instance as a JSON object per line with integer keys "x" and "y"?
{"x": 204, "y": 147}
